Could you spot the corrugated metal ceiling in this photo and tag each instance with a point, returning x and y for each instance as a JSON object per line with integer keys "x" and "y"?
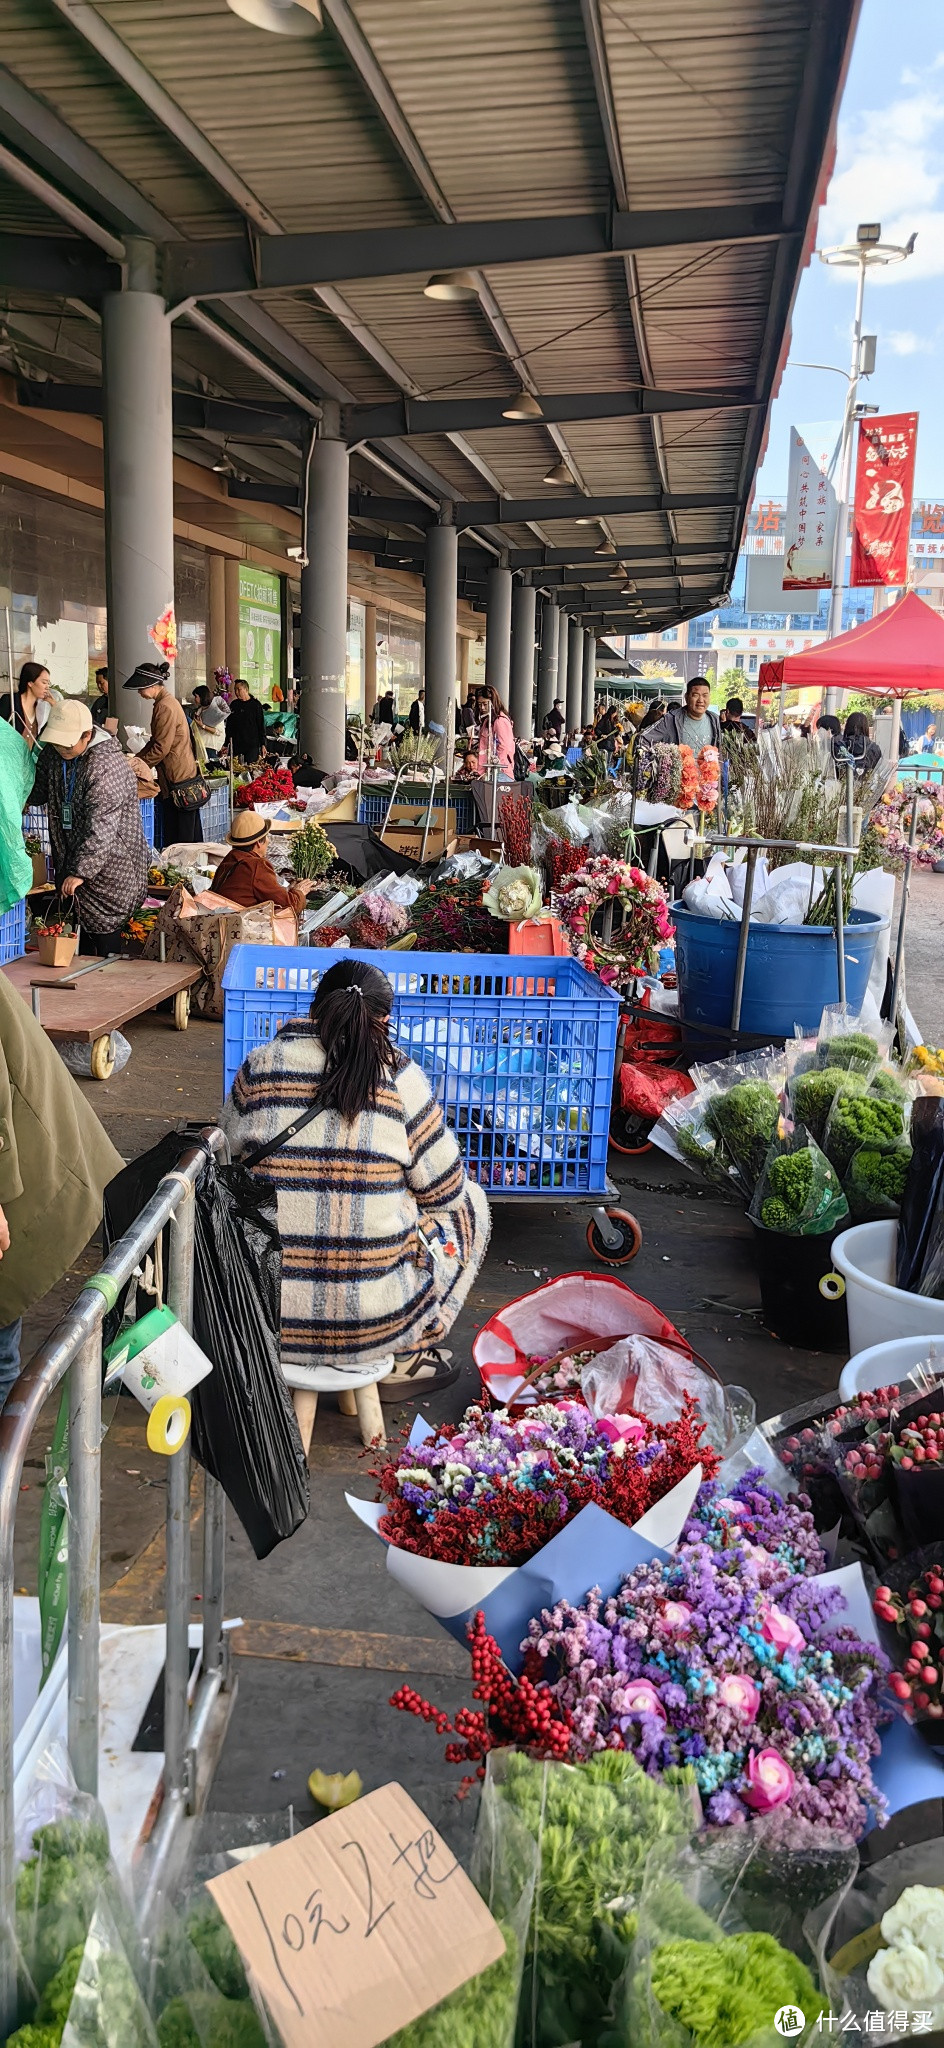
{"x": 501, "y": 103}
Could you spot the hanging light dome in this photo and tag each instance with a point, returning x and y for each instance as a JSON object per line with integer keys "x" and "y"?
{"x": 524, "y": 407}
{"x": 560, "y": 474}
{"x": 455, "y": 287}
{"x": 280, "y": 17}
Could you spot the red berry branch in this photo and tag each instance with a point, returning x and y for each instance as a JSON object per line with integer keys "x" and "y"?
{"x": 515, "y": 1712}
{"x": 918, "y": 1616}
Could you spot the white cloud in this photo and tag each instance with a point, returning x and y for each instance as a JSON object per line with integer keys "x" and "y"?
{"x": 890, "y": 168}
{"x": 904, "y": 342}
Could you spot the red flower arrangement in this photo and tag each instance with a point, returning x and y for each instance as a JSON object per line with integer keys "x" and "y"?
{"x": 562, "y": 858}
{"x": 515, "y": 1712}
{"x": 273, "y": 786}
{"x": 494, "y": 1488}
{"x": 515, "y": 816}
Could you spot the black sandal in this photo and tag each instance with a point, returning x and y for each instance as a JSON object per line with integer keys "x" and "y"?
{"x": 417, "y": 1373}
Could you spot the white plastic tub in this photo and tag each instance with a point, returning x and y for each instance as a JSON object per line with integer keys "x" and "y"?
{"x": 883, "y": 1365}
{"x": 878, "y": 1310}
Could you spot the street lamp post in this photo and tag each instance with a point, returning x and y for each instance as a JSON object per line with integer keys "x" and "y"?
{"x": 867, "y": 251}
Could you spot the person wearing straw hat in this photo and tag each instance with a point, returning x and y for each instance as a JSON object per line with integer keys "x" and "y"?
{"x": 245, "y": 875}
{"x": 100, "y": 854}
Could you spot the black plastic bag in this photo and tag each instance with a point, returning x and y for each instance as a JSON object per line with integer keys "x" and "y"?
{"x": 244, "y": 1430}
{"x": 921, "y": 1223}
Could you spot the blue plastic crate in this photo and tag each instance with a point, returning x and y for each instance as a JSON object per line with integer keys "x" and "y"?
{"x": 520, "y": 1052}
{"x": 216, "y": 816}
{"x": 375, "y": 803}
{"x": 147, "y": 819}
{"x": 13, "y": 933}
{"x": 36, "y": 825}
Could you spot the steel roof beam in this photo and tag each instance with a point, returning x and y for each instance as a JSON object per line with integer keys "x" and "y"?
{"x": 291, "y": 262}
{"x": 31, "y": 126}
{"x": 517, "y": 511}
{"x": 226, "y": 416}
{"x": 568, "y": 559}
{"x": 442, "y": 416}
{"x": 59, "y": 268}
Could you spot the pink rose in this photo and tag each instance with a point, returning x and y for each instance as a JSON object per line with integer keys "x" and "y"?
{"x": 734, "y": 1508}
{"x": 641, "y": 1697}
{"x": 769, "y": 1781}
{"x": 676, "y": 1614}
{"x": 780, "y": 1630}
{"x": 740, "y": 1694}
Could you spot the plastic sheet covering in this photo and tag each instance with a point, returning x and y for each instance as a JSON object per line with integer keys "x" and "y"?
{"x": 921, "y": 1223}
{"x": 243, "y": 1426}
{"x": 848, "y": 1936}
{"x": 652, "y": 1379}
{"x": 17, "y": 774}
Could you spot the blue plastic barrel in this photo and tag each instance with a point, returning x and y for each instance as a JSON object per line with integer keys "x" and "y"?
{"x": 790, "y": 974}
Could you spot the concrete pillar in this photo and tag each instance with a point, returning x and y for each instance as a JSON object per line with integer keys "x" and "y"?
{"x": 285, "y": 641}
{"x": 370, "y": 659}
{"x": 589, "y": 676}
{"x": 563, "y": 653}
{"x": 324, "y": 606}
{"x": 574, "y": 676}
{"x": 547, "y": 659}
{"x": 498, "y": 632}
{"x": 139, "y": 469}
{"x": 442, "y": 571}
{"x": 216, "y": 615}
{"x": 463, "y": 657}
{"x": 231, "y": 614}
{"x": 522, "y": 660}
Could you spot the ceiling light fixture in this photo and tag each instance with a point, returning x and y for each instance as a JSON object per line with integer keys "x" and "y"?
{"x": 524, "y": 407}
{"x": 560, "y": 475}
{"x": 454, "y": 287}
{"x": 223, "y": 466}
{"x": 628, "y": 587}
{"x": 606, "y": 547}
{"x": 280, "y": 17}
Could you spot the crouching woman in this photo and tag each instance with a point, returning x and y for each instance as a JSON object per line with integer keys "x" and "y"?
{"x": 382, "y": 1232}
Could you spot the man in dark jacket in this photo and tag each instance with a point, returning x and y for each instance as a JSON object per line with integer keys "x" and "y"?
{"x": 245, "y": 726}
{"x": 418, "y": 711}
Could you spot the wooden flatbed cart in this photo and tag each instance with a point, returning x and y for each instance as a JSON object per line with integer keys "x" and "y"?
{"x": 92, "y": 998}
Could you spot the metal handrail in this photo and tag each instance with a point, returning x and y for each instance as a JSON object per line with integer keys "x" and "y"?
{"x": 75, "y": 1346}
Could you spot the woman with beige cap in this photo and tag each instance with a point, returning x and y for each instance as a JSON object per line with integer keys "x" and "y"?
{"x": 246, "y": 877}
{"x": 100, "y": 854}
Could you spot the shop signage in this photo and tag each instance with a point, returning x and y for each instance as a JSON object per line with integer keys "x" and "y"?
{"x": 260, "y": 630}
{"x": 884, "y": 487}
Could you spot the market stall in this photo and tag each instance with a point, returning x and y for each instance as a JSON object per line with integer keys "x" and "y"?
{"x": 897, "y": 654}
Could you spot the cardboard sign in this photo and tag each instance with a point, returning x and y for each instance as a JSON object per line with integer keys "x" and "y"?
{"x": 358, "y": 1925}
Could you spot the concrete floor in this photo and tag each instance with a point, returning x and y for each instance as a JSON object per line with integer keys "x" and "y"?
{"x": 325, "y": 1636}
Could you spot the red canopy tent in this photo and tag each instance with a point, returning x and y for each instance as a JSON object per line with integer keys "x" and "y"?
{"x": 900, "y": 651}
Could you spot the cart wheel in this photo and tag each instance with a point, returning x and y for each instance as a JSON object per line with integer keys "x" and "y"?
{"x": 103, "y": 1059}
{"x": 626, "y": 1234}
{"x": 629, "y": 1133}
{"x": 182, "y": 1009}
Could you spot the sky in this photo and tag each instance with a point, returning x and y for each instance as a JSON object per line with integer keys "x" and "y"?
{"x": 889, "y": 168}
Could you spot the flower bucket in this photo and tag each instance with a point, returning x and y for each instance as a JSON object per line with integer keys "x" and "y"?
{"x": 801, "y": 1300}
{"x": 790, "y": 974}
{"x": 56, "y": 949}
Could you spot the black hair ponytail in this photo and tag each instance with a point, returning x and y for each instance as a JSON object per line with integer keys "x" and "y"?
{"x": 351, "y": 1013}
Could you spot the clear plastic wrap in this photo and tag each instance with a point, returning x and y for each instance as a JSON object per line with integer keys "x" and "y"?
{"x": 745, "y": 1109}
{"x": 742, "y": 1895}
{"x": 842, "y": 1042}
{"x": 921, "y": 1223}
{"x": 875, "y": 1181}
{"x": 847, "y": 1936}
{"x": 873, "y": 1118}
{"x": 652, "y": 1379}
{"x": 685, "y": 1133}
{"x": 593, "y": 1825}
{"x": 798, "y": 1192}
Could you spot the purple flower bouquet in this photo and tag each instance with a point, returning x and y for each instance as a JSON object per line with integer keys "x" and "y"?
{"x": 705, "y": 1659}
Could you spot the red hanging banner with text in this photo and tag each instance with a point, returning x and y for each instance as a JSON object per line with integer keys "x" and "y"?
{"x": 881, "y": 513}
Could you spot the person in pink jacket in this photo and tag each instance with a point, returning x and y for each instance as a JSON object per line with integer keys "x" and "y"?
{"x": 496, "y": 734}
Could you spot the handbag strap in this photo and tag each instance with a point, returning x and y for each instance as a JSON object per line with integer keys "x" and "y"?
{"x": 261, "y": 1152}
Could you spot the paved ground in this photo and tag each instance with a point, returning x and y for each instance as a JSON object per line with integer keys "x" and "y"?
{"x": 325, "y": 1635}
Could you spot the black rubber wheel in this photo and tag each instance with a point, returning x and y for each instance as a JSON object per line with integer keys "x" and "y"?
{"x": 628, "y": 1133}
{"x": 630, "y": 1239}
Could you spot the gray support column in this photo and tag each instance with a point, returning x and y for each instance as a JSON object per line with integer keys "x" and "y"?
{"x": 547, "y": 659}
{"x": 563, "y": 654}
{"x": 522, "y": 660}
{"x": 216, "y": 615}
{"x": 574, "y": 677}
{"x": 442, "y": 570}
{"x": 324, "y": 607}
{"x": 139, "y": 470}
{"x": 589, "y": 677}
{"x": 498, "y": 632}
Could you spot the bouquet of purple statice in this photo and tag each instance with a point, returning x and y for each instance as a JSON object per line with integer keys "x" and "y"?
{"x": 772, "y": 1703}
{"x": 778, "y": 1535}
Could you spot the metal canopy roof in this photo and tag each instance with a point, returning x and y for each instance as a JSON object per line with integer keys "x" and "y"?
{"x": 635, "y": 188}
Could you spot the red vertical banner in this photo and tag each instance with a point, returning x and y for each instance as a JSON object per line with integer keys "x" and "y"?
{"x": 884, "y": 487}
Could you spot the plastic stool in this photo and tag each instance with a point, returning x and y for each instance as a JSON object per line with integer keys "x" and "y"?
{"x": 357, "y": 1393}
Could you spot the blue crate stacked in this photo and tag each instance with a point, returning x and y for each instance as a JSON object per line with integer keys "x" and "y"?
{"x": 13, "y": 933}
{"x": 520, "y": 1053}
{"x": 375, "y": 803}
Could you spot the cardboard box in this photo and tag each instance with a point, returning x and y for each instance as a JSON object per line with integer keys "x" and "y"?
{"x": 406, "y": 824}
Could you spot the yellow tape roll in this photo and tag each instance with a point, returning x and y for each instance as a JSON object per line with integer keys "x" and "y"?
{"x": 832, "y": 1287}
{"x": 168, "y": 1424}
